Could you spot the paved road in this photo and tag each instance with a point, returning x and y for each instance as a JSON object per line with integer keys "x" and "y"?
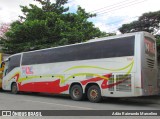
{"x": 54, "y": 102}
{"x": 30, "y": 101}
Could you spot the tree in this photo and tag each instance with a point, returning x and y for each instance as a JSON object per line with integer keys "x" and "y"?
{"x": 49, "y": 26}
{"x": 149, "y": 22}
{"x": 3, "y": 29}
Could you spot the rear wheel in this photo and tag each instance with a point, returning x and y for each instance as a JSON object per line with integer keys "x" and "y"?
{"x": 76, "y": 92}
{"x": 1, "y": 90}
{"x": 94, "y": 94}
{"x": 14, "y": 88}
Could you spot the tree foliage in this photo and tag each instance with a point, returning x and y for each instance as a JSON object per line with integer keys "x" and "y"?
{"x": 3, "y": 29}
{"x": 48, "y": 26}
{"x": 149, "y": 22}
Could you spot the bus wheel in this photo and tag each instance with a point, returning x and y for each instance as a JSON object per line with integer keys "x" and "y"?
{"x": 76, "y": 92}
{"x": 14, "y": 88}
{"x": 94, "y": 94}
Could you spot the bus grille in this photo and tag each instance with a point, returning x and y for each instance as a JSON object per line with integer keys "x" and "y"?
{"x": 111, "y": 81}
{"x": 150, "y": 63}
{"x": 124, "y": 86}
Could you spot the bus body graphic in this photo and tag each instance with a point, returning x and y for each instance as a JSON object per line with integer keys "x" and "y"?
{"x": 57, "y": 82}
{"x": 117, "y": 66}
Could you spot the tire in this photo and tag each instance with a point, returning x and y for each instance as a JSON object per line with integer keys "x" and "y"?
{"x": 1, "y": 90}
{"x": 76, "y": 92}
{"x": 94, "y": 94}
{"x": 14, "y": 88}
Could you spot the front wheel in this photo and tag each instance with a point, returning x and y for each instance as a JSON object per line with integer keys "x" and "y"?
{"x": 76, "y": 93}
{"x": 14, "y": 88}
{"x": 94, "y": 94}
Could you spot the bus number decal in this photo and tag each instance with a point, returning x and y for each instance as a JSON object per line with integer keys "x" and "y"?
{"x": 27, "y": 70}
{"x": 149, "y": 47}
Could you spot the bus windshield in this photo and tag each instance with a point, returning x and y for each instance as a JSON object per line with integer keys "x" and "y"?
{"x": 13, "y": 62}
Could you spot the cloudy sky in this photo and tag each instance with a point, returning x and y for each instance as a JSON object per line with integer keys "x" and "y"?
{"x": 111, "y": 14}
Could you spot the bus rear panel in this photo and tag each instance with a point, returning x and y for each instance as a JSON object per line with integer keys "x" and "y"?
{"x": 149, "y": 66}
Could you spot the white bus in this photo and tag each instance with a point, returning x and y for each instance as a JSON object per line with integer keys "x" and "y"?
{"x": 116, "y": 66}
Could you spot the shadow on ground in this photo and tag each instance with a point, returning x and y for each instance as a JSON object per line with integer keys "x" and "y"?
{"x": 147, "y": 100}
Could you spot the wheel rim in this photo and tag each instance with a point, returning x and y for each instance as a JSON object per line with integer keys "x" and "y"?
{"x": 76, "y": 93}
{"x": 94, "y": 94}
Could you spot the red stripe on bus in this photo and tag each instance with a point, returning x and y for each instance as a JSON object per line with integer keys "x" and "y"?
{"x": 84, "y": 82}
{"x": 44, "y": 87}
{"x": 105, "y": 85}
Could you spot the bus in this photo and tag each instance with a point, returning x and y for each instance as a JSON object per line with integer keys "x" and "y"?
{"x": 1, "y": 74}
{"x": 115, "y": 67}
{"x": 1, "y": 70}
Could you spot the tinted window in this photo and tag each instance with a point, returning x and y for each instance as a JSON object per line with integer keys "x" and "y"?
{"x": 93, "y": 50}
{"x": 14, "y": 62}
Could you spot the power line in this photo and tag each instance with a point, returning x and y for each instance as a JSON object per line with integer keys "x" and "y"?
{"x": 113, "y": 5}
{"x": 122, "y": 5}
{"x": 119, "y": 8}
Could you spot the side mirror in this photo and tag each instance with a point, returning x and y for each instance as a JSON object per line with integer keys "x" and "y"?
{"x": 6, "y": 72}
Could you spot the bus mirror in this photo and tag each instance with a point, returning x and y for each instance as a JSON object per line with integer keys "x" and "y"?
{"x": 6, "y": 72}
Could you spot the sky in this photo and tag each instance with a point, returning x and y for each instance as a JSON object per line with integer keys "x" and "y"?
{"x": 111, "y": 14}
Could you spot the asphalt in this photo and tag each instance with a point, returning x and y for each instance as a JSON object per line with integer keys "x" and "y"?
{"x": 30, "y": 101}
{"x": 148, "y": 99}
